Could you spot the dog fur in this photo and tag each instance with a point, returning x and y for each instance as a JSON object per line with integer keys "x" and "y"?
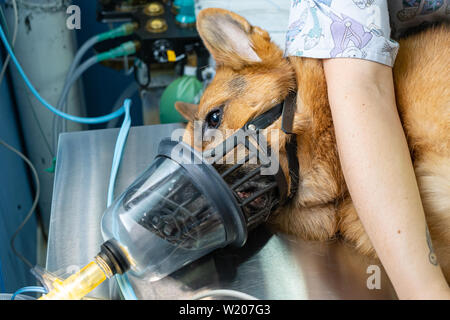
{"x": 252, "y": 76}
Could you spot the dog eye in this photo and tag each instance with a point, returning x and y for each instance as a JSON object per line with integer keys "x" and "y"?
{"x": 214, "y": 118}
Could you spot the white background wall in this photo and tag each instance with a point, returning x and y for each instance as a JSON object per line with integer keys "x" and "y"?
{"x": 270, "y": 15}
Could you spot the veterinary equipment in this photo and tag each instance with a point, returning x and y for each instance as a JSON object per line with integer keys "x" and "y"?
{"x": 122, "y": 50}
{"x": 186, "y": 88}
{"x": 109, "y": 261}
{"x": 182, "y": 207}
{"x": 269, "y": 266}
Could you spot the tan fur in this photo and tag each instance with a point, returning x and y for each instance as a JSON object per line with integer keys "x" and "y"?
{"x": 323, "y": 209}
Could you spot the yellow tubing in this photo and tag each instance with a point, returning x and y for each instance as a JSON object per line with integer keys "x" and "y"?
{"x": 80, "y": 284}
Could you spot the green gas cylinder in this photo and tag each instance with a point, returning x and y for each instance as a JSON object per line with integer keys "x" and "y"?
{"x": 186, "y": 88}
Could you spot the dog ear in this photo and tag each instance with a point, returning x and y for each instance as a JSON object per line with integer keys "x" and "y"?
{"x": 230, "y": 39}
{"x": 187, "y": 110}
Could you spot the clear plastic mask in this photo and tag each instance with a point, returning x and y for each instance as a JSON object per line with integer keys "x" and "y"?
{"x": 163, "y": 221}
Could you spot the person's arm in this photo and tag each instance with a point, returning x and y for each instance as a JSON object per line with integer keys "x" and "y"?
{"x": 378, "y": 171}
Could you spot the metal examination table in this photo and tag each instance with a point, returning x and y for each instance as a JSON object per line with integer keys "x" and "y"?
{"x": 269, "y": 266}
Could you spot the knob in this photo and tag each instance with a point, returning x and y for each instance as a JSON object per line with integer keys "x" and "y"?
{"x": 156, "y": 25}
{"x": 154, "y": 9}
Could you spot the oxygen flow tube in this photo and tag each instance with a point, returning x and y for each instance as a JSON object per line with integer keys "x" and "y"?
{"x": 122, "y": 280}
{"x": 111, "y": 260}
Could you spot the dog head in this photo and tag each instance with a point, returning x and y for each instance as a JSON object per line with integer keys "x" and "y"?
{"x": 252, "y": 76}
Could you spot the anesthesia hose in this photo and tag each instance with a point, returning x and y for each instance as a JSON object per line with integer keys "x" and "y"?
{"x": 111, "y": 260}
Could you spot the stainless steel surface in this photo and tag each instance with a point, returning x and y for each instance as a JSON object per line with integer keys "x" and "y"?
{"x": 270, "y": 266}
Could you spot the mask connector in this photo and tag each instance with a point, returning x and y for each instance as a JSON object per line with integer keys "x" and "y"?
{"x": 110, "y": 260}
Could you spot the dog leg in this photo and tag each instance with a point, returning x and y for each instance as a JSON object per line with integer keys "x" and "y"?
{"x": 317, "y": 223}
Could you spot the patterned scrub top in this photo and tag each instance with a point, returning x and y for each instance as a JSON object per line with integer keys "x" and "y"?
{"x": 357, "y": 28}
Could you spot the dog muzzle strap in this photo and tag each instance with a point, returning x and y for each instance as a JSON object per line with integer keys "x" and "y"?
{"x": 286, "y": 110}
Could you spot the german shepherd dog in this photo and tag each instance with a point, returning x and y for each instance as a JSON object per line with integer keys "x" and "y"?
{"x": 253, "y": 76}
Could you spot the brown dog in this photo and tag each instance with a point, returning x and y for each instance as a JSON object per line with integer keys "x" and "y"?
{"x": 253, "y": 76}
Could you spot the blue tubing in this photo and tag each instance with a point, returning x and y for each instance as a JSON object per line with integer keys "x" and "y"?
{"x": 93, "y": 120}
{"x": 29, "y": 289}
{"x": 122, "y": 280}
